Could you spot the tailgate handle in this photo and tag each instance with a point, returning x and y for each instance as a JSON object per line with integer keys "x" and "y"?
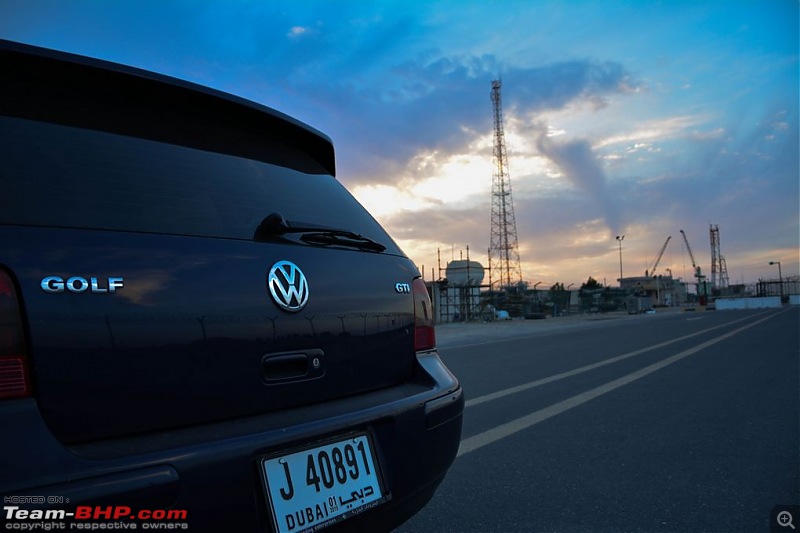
{"x": 292, "y": 366}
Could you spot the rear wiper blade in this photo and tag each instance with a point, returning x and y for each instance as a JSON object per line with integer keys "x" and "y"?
{"x": 275, "y": 225}
{"x": 342, "y": 238}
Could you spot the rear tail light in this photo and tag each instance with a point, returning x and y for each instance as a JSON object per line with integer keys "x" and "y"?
{"x": 424, "y": 334}
{"x": 14, "y": 376}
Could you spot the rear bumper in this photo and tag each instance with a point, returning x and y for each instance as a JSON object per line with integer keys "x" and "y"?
{"x": 211, "y": 471}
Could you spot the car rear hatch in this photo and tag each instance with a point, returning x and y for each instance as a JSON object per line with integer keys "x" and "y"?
{"x": 191, "y": 333}
{"x": 143, "y": 240}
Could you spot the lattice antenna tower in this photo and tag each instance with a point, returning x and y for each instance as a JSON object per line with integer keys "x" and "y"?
{"x": 503, "y": 248}
{"x": 719, "y": 268}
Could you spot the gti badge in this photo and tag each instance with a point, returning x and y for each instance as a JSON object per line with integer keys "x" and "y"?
{"x": 402, "y": 288}
{"x": 288, "y": 286}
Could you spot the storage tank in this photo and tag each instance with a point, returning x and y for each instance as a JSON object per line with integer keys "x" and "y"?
{"x": 464, "y": 273}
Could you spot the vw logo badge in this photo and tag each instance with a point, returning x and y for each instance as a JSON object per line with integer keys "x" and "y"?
{"x": 288, "y": 286}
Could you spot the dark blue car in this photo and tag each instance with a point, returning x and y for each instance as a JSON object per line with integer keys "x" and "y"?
{"x": 199, "y": 326}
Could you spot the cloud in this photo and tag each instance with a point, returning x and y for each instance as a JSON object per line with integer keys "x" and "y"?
{"x": 448, "y": 224}
{"x": 583, "y": 169}
{"x": 443, "y": 105}
{"x": 297, "y": 31}
{"x": 662, "y": 129}
{"x": 554, "y": 86}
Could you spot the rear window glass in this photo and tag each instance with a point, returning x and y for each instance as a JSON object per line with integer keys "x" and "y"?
{"x": 61, "y": 176}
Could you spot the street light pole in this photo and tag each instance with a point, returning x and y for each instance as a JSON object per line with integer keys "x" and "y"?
{"x": 569, "y": 298}
{"x": 620, "y": 238}
{"x": 780, "y": 276}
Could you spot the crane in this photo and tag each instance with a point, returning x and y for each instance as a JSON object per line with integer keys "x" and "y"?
{"x": 698, "y": 274}
{"x": 655, "y": 264}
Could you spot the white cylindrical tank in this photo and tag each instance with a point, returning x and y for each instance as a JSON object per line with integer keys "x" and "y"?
{"x": 463, "y": 272}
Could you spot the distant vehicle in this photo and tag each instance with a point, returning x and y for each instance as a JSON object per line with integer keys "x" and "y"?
{"x": 502, "y": 315}
{"x": 196, "y": 316}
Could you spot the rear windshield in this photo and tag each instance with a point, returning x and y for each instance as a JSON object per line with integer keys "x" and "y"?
{"x": 54, "y": 175}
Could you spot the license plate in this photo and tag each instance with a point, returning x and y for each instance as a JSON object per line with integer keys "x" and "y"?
{"x": 315, "y": 487}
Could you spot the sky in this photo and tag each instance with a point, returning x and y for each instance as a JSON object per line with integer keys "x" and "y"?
{"x": 638, "y": 118}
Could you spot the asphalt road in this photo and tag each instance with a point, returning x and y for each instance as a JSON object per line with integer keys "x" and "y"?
{"x": 665, "y": 423}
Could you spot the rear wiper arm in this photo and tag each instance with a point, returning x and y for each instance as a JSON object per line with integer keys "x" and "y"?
{"x": 275, "y": 225}
{"x": 342, "y": 238}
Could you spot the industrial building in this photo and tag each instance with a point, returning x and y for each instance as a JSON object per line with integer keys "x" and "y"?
{"x": 664, "y": 291}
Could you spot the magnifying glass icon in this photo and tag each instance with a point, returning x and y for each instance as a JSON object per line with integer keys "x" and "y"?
{"x": 785, "y": 519}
